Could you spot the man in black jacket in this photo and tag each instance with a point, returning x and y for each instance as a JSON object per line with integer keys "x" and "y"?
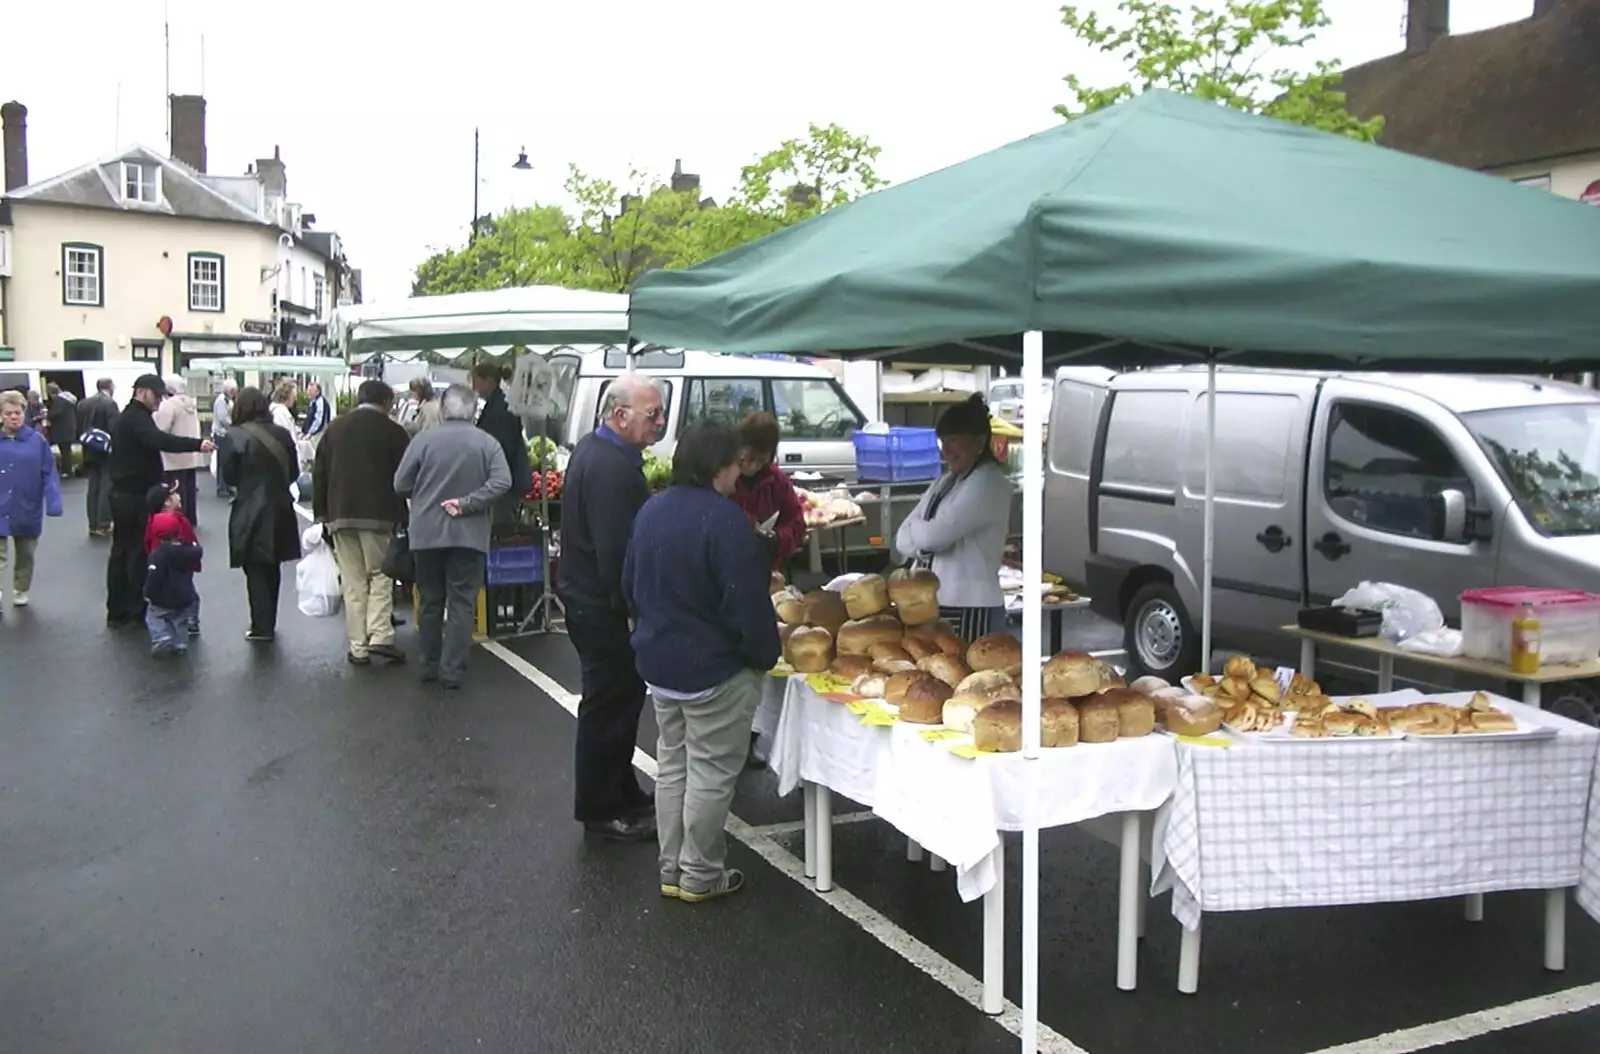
{"x": 496, "y": 418}
{"x": 98, "y": 412}
{"x": 62, "y": 410}
{"x": 603, "y": 491}
{"x": 134, "y": 466}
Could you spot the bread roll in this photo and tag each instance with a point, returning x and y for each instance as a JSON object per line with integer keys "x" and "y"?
{"x": 1241, "y": 667}
{"x": 996, "y": 651}
{"x": 1488, "y": 721}
{"x": 824, "y": 609}
{"x": 983, "y": 680}
{"x": 882, "y": 650}
{"x": 950, "y": 671}
{"x": 894, "y": 689}
{"x": 1192, "y": 715}
{"x": 918, "y": 648}
{"x": 915, "y": 595}
{"x": 893, "y": 665}
{"x": 949, "y": 643}
{"x": 1097, "y": 720}
{"x": 1136, "y": 713}
{"x": 1058, "y": 723}
{"x": 810, "y": 649}
{"x": 789, "y": 606}
{"x": 1069, "y": 674}
{"x": 923, "y": 701}
{"x": 997, "y": 728}
{"x": 869, "y": 686}
{"x": 857, "y": 638}
{"x": 867, "y": 595}
{"x": 776, "y": 584}
{"x": 1341, "y": 722}
{"x": 851, "y": 666}
{"x": 1149, "y": 685}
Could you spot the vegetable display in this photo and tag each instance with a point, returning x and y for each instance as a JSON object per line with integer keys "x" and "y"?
{"x": 657, "y": 471}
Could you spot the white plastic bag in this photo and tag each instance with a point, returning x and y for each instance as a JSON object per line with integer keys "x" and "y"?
{"x": 1406, "y": 612}
{"x": 1446, "y": 643}
{"x": 316, "y": 578}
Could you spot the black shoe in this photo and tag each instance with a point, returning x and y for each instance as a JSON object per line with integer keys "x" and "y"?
{"x": 449, "y": 685}
{"x": 388, "y": 652}
{"x": 624, "y": 829}
{"x": 396, "y": 620}
{"x": 260, "y": 638}
{"x": 356, "y": 660}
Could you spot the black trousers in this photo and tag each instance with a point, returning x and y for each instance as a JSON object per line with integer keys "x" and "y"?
{"x": 262, "y": 583}
{"x": 98, "y": 500}
{"x": 126, "y": 565}
{"x": 608, "y": 716}
{"x": 65, "y": 448}
{"x": 184, "y": 480}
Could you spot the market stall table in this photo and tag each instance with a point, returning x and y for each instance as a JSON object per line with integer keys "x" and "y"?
{"x": 1055, "y": 612}
{"x": 1589, "y": 883}
{"x": 814, "y": 543}
{"x": 956, "y": 807}
{"x": 1319, "y": 823}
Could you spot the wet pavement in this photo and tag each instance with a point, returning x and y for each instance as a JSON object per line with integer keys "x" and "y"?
{"x": 265, "y": 849}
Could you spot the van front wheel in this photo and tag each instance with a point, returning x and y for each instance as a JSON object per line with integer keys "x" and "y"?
{"x": 1158, "y": 636}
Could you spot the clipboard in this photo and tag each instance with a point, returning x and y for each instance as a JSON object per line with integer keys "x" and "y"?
{"x": 766, "y": 525}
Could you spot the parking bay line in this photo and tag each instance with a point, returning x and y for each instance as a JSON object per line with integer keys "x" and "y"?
{"x": 759, "y": 840}
{"x": 1478, "y": 1023}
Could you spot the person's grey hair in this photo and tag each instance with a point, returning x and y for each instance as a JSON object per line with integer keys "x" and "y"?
{"x": 230, "y": 386}
{"x": 104, "y": 384}
{"x": 176, "y": 385}
{"x": 284, "y": 392}
{"x": 13, "y": 399}
{"x": 621, "y": 391}
{"x": 458, "y": 403}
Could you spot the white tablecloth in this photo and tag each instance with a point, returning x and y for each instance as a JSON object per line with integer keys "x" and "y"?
{"x": 956, "y": 807}
{"x": 1589, "y": 883}
{"x": 1311, "y": 824}
{"x": 770, "y": 710}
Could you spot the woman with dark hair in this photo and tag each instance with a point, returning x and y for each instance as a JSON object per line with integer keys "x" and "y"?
{"x": 695, "y": 581}
{"x": 259, "y": 460}
{"x": 763, "y": 489}
{"x": 958, "y": 529}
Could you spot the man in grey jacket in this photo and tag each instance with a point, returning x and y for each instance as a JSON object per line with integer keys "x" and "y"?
{"x": 452, "y": 474}
{"x": 221, "y": 421}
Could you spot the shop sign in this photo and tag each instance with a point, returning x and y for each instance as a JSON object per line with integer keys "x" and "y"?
{"x": 257, "y": 327}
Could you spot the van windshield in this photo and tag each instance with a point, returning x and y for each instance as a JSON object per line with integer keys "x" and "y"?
{"x": 1550, "y": 458}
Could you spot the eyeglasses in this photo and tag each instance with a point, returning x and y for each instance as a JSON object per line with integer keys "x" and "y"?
{"x": 652, "y": 416}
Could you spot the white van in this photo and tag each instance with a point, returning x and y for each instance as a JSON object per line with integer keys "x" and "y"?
{"x": 1323, "y": 480}
{"x": 76, "y": 377}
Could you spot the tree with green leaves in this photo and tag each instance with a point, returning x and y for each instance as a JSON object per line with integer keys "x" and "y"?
{"x": 1227, "y": 54}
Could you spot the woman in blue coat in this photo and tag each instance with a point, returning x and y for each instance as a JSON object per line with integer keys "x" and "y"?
{"x": 29, "y": 491}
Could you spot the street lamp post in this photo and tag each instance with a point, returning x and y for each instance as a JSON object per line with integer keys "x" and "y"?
{"x": 521, "y": 165}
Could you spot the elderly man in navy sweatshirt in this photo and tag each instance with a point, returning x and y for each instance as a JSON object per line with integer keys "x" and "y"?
{"x": 604, "y": 489}
{"x": 696, "y": 580}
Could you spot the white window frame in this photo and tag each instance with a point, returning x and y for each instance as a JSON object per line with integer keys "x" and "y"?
{"x": 318, "y": 291}
{"x": 69, "y": 272}
{"x": 199, "y": 285}
{"x": 143, "y": 168}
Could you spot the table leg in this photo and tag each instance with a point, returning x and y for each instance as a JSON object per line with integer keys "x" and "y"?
{"x": 1144, "y": 897}
{"x": 1530, "y": 693}
{"x": 1472, "y": 903}
{"x": 1128, "y": 906}
{"x": 814, "y": 552}
{"x": 1189, "y": 960}
{"x": 1308, "y": 658}
{"x": 824, "y": 839}
{"x": 913, "y": 851}
{"x": 809, "y": 795}
{"x": 935, "y": 862}
{"x": 994, "y": 937}
{"x": 1555, "y": 929}
{"x": 1385, "y": 673}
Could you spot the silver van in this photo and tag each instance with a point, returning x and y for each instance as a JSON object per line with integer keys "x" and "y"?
{"x": 1437, "y": 482}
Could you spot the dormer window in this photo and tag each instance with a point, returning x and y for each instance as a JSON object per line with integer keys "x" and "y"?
{"x": 141, "y": 182}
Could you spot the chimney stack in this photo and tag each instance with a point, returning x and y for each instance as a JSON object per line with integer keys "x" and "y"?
{"x": 14, "y": 118}
{"x": 188, "y": 113}
{"x": 273, "y": 176}
{"x": 1427, "y": 21}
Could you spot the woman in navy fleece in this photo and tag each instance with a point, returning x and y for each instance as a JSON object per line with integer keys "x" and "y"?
{"x": 695, "y": 579}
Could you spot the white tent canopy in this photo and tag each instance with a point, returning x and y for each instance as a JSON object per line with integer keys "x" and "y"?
{"x": 314, "y": 365}
{"x": 530, "y": 315}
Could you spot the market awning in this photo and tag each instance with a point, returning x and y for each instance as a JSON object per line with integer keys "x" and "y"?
{"x": 529, "y": 315}
{"x": 1166, "y": 229}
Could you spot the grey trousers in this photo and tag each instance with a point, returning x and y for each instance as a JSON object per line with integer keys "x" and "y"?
{"x": 699, "y": 756}
{"x": 448, "y": 581}
{"x": 98, "y": 500}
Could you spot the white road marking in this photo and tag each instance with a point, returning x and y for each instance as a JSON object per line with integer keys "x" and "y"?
{"x": 760, "y": 840}
{"x": 1479, "y": 1023}
{"x": 774, "y": 830}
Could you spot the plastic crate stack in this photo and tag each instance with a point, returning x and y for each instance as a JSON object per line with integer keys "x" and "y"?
{"x": 513, "y": 583}
{"x": 899, "y": 455}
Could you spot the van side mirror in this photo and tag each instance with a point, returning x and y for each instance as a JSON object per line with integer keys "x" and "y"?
{"x": 1450, "y": 516}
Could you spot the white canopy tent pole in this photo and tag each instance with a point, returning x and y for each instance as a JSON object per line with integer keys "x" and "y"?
{"x": 1210, "y": 515}
{"x": 1032, "y": 615}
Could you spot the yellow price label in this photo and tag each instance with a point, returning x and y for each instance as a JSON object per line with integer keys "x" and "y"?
{"x": 1207, "y": 741}
{"x": 858, "y": 707}
{"x": 781, "y": 670}
{"x": 877, "y": 717}
{"x": 826, "y": 682}
{"x": 963, "y": 750}
{"x": 937, "y": 735}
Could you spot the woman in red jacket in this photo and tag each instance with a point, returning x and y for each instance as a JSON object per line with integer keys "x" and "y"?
{"x": 763, "y": 488}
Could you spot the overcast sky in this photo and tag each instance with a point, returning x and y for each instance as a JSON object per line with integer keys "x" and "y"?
{"x": 375, "y": 113}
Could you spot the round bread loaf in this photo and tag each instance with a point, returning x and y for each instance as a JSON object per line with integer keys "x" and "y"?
{"x": 918, "y": 648}
{"x": 867, "y": 595}
{"x": 915, "y": 595}
{"x": 997, "y": 728}
{"x": 784, "y": 630}
{"x": 851, "y": 666}
{"x": 869, "y": 686}
{"x": 996, "y": 651}
{"x": 882, "y": 650}
{"x": 894, "y": 689}
{"x": 1136, "y": 712}
{"x": 857, "y": 638}
{"x": 1097, "y": 719}
{"x": 923, "y": 701}
{"x": 1070, "y": 674}
{"x": 983, "y": 680}
{"x": 1149, "y": 685}
{"x": 1058, "y": 723}
{"x": 825, "y": 609}
{"x": 790, "y": 606}
{"x": 893, "y": 665}
{"x": 950, "y": 670}
{"x": 810, "y": 649}
{"x": 961, "y": 707}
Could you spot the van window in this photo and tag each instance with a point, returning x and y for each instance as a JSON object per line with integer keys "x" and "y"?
{"x": 1142, "y": 440}
{"x": 666, "y": 405}
{"x": 646, "y": 358}
{"x": 724, "y": 399}
{"x": 812, "y": 409}
{"x": 1072, "y": 425}
{"x": 1383, "y": 468}
{"x": 1550, "y": 458}
{"x": 1251, "y": 455}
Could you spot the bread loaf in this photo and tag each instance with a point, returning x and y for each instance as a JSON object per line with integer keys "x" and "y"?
{"x": 997, "y": 728}
{"x": 824, "y": 609}
{"x": 869, "y": 686}
{"x": 950, "y": 671}
{"x": 867, "y": 595}
{"x": 1069, "y": 674}
{"x": 1192, "y": 715}
{"x": 918, "y": 648}
{"x": 883, "y": 650}
{"x": 1097, "y": 719}
{"x": 1149, "y": 685}
{"x": 789, "y": 606}
{"x": 894, "y": 689}
{"x": 923, "y": 701}
{"x": 810, "y": 649}
{"x": 961, "y": 708}
{"x": 915, "y": 595}
{"x": 851, "y": 666}
{"x": 893, "y": 665}
{"x": 1136, "y": 713}
{"x": 983, "y": 680}
{"x": 996, "y": 651}
{"x": 1058, "y": 723}
{"x": 784, "y": 630}
{"x": 857, "y": 638}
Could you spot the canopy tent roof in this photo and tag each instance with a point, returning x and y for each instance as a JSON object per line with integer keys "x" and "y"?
{"x": 308, "y": 364}
{"x": 539, "y": 314}
{"x": 1159, "y": 230}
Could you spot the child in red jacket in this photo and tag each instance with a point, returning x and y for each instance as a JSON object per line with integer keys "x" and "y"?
{"x": 172, "y": 606}
{"x": 763, "y": 489}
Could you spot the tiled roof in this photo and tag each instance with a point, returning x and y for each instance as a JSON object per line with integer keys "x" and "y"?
{"x": 184, "y": 192}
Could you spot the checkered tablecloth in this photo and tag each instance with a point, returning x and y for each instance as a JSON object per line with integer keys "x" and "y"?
{"x": 1589, "y": 883}
{"x": 956, "y": 807}
{"x": 1258, "y": 826}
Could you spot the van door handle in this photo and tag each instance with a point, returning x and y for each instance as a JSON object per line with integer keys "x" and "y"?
{"x": 1331, "y": 545}
{"x": 1274, "y": 539}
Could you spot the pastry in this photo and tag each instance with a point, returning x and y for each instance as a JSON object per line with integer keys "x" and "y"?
{"x": 996, "y": 651}
{"x": 1424, "y": 719}
{"x": 1236, "y": 688}
{"x": 857, "y": 638}
{"x": 851, "y": 666}
{"x": 1149, "y": 685}
{"x": 810, "y": 649}
{"x": 894, "y": 689}
{"x": 1341, "y": 722}
{"x": 1136, "y": 712}
{"x": 1490, "y": 721}
{"x": 984, "y": 680}
{"x": 789, "y": 606}
{"x": 915, "y": 595}
{"x": 923, "y": 701}
{"x": 885, "y": 650}
{"x": 1069, "y": 674}
{"x": 893, "y": 665}
{"x": 1097, "y": 720}
{"x": 1240, "y": 667}
{"x": 1192, "y": 715}
{"x": 825, "y": 609}
{"x": 949, "y": 670}
{"x": 1266, "y": 688}
{"x": 868, "y": 686}
{"x": 867, "y": 595}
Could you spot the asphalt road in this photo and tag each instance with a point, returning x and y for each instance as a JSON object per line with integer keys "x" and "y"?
{"x": 265, "y": 849}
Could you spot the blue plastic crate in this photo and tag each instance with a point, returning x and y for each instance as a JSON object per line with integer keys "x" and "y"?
{"x": 515, "y": 565}
{"x": 898, "y": 455}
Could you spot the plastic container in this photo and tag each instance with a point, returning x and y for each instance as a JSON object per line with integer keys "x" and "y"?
{"x": 898, "y": 455}
{"x": 1569, "y": 623}
{"x": 514, "y": 565}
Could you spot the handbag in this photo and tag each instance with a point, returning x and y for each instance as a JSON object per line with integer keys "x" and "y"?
{"x": 399, "y": 563}
{"x": 96, "y": 441}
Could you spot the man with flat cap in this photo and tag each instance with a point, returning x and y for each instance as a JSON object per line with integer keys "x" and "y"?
{"x": 133, "y": 467}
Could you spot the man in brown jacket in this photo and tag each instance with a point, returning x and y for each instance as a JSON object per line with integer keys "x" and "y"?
{"x": 352, "y": 488}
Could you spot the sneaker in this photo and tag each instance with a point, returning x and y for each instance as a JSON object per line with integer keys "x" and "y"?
{"x": 194, "y": 629}
{"x": 19, "y": 600}
{"x": 356, "y": 660}
{"x": 731, "y": 882}
{"x": 162, "y": 649}
{"x": 670, "y": 890}
{"x": 388, "y": 652}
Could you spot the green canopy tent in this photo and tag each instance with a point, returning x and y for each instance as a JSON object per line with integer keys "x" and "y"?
{"x": 1162, "y": 230}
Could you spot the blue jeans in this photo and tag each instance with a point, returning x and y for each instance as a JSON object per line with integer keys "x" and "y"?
{"x": 171, "y": 628}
